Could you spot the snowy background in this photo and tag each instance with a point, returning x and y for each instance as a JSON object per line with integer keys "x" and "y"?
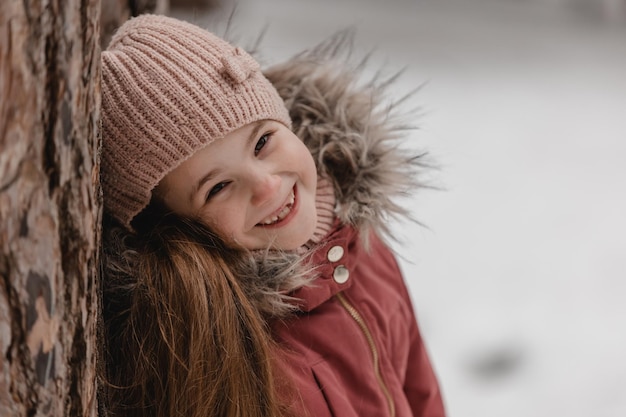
{"x": 519, "y": 281}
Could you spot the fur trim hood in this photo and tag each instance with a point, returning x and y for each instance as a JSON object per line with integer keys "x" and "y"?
{"x": 354, "y": 133}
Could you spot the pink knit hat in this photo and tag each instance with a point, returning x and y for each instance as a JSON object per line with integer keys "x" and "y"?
{"x": 170, "y": 88}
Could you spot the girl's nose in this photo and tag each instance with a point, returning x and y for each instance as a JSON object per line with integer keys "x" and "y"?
{"x": 265, "y": 188}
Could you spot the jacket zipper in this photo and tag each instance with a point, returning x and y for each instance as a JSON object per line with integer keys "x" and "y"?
{"x": 370, "y": 341}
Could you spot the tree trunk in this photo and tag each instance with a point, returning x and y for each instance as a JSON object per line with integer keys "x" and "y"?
{"x": 49, "y": 206}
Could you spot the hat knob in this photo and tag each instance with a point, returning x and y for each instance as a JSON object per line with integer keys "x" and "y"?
{"x": 240, "y": 65}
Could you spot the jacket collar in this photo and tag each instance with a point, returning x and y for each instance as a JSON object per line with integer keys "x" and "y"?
{"x": 332, "y": 267}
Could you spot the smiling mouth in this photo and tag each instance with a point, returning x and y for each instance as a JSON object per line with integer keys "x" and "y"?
{"x": 283, "y": 213}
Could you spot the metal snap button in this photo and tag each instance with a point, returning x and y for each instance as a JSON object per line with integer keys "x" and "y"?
{"x": 335, "y": 253}
{"x": 341, "y": 274}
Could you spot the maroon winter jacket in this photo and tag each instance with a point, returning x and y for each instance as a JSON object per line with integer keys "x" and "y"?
{"x": 355, "y": 350}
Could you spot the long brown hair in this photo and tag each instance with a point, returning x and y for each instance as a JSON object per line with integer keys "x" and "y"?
{"x": 182, "y": 338}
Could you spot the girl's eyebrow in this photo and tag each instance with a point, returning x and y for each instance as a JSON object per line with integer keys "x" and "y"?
{"x": 255, "y": 132}
{"x": 211, "y": 173}
{"x": 200, "y": 183}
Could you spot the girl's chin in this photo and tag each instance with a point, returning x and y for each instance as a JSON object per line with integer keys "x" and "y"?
{"x": 291, "y": 241}
{"x": 294, "y": 241}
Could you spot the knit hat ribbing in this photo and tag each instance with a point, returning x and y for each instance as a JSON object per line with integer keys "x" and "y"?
{"x": 170, "y": 88}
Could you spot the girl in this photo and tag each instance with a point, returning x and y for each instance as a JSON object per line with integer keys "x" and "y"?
{"x": 244, "y": 270}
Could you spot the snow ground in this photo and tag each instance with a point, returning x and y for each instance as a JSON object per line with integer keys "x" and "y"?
{"x": 520, "y": 279}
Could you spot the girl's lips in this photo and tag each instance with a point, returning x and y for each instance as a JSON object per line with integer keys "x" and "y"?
{"x": 283, "y": 215}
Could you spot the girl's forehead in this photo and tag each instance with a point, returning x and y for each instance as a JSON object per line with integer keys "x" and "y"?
{"x": 240, "y": 138}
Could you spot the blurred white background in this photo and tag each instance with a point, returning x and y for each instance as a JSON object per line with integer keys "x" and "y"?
{"x": 519, "y": 281}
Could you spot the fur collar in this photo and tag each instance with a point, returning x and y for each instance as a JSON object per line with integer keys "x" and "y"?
{"x": 355, "y": 135}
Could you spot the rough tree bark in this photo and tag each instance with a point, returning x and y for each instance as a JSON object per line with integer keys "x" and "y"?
{"x": 49, "y": 206}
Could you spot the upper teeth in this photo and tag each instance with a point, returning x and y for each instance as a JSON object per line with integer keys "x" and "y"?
{"x": 283, "y": 213}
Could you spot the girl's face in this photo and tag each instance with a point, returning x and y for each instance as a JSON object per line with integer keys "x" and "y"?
{"x": 255, "y": 187}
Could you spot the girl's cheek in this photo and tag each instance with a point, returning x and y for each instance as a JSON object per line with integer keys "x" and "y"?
{"x": 210, "y": 218}
{"x": 223, "y": 221}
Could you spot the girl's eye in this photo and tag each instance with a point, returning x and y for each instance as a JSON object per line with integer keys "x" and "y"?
{"x": 261, "y": 143}
{"x": 216, "y": 189}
